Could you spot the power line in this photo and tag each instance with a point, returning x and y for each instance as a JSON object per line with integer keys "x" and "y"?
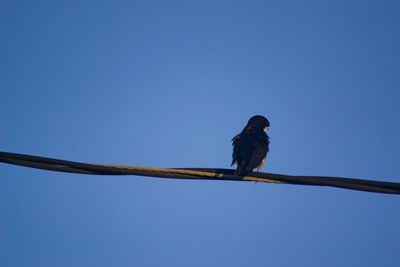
{"x": 195, "y": 173}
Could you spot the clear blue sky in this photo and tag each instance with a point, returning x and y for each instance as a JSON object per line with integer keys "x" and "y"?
{"x": 168, "y": 84}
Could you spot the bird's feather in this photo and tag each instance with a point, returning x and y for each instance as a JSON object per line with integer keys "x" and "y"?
{"x": 249, "y": 151}
{"x": 235, "y": 153}
{"x": 260, "y": 151}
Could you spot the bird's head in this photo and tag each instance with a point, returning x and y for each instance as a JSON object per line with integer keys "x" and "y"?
{"x": 257, "y": 123}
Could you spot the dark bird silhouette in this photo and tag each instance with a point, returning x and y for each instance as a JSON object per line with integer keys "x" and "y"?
{"x": 251, "y": 146}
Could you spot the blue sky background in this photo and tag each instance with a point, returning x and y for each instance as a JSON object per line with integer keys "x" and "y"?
{"x": 168, "y": 84}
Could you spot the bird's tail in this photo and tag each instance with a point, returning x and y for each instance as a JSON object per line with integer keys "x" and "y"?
{"x": 242, "y": 170}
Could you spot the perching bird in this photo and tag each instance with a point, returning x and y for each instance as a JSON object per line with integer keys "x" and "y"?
{"x": 250, "y": 147}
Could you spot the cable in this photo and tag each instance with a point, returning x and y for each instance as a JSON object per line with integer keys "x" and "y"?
{"x": 195, "y": 173}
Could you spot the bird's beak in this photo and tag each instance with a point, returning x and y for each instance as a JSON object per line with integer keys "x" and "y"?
{"x": 266, "y": 128}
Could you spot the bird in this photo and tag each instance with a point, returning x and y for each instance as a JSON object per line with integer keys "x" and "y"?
{"x": 251, "y": 146}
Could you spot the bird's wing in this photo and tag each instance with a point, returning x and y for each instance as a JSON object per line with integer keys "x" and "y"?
{"x": 235, "y": 144}
{"x": 260, "y": 152}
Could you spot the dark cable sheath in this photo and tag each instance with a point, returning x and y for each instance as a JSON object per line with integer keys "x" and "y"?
{"x": 196, "y": 173}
